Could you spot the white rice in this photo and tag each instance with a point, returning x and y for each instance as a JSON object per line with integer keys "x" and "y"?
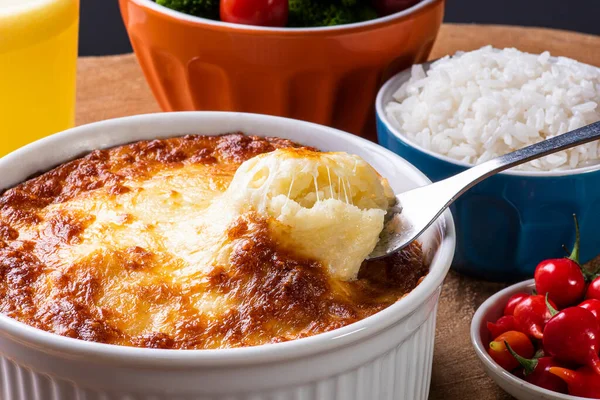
{"x": 476, "y": 106}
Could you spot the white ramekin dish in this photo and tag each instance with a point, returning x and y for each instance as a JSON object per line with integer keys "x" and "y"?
{"x": 386, "y": 356}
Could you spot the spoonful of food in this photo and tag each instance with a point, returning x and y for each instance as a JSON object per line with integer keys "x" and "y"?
{"x": 417, "y": 209}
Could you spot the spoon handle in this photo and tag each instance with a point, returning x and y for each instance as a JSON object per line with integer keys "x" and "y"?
{"x": 469, "y": 178}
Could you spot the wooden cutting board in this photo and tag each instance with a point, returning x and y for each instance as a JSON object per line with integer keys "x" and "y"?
{"x": 110, "y": 87}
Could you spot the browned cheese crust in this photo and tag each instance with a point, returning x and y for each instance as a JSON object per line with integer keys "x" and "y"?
{"x": 55, "y": 278}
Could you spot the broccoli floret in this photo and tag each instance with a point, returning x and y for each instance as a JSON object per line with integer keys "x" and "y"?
{"x": 199, "y": 8}
{"x": 307, "y": 13}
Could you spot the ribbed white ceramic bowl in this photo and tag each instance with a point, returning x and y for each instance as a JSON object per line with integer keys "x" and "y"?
{"x": 386, "y": 356}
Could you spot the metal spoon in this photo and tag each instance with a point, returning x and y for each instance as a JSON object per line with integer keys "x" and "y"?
{"x": 417, "y": 209}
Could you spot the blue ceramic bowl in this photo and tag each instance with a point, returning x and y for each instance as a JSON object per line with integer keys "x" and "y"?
{"x": 507, "y": 224}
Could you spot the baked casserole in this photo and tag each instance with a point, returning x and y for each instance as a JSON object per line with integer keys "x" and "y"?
{"x": 199, "y": 242}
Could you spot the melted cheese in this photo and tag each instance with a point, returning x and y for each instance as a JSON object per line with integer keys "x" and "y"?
{"x": 326, "y": 206}
{"x": 165, "y": 215}
{"x": 174, "y": 244}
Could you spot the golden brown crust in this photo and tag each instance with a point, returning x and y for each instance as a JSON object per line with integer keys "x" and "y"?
{"x": 269, "y": 295}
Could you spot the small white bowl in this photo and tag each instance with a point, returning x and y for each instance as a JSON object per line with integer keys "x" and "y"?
{"x": 386, "y": 356}
{"x": 490, "y": 311}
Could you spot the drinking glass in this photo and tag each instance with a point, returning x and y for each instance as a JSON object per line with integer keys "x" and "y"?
{"x": 38, "y": 56}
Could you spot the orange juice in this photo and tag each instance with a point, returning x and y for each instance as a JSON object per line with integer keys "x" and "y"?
{"x": 38, "y": 56}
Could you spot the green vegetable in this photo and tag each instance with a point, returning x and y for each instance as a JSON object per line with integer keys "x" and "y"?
{"x": 303, "y": 13}
{"x": 200, "y": 8}
{"x": 308, "y": 13}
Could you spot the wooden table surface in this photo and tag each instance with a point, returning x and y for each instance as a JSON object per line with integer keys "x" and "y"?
{"x": 113, "y": 86}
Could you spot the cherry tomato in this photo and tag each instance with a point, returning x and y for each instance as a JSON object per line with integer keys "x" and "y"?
{"x": 513, "y": 301}
{"x": 583, "y": 382}
{"x": 531, "y": 315}
{"x": 255, "y": 12}
{"x": 573, "y": 336}
{"x": 387, "y": 7}
{"x": 593, "y": 290}
{"x": 593, "y": 306}
{"x": 518, "y": 341}
{"x": 504, "y": 324}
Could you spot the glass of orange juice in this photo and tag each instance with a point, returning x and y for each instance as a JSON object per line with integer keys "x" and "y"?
{"x": 38, "y": 57}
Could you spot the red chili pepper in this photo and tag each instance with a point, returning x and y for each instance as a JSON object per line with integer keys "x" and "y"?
{"x": 504, "y": 324}
{"x": 531, "y": 315}
{"x": 593, "y": 306}
{"x": 583, "y": 382}
{"x": 593, "y": 290}
{"x": 573, "y": 336}
{"x": 518, "y": 341}
{"x": 562, "y": 279}
{"x": 536, "y": 371}
{"x": 513, "y": 301}
{"x": 519, "y": 373}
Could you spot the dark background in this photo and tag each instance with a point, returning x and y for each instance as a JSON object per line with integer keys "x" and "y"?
{"x": 102, "y": 30}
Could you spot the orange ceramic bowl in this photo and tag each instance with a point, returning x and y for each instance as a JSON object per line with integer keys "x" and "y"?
{"x": 327, "y": 75}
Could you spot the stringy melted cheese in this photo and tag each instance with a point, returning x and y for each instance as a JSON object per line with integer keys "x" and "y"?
{"x": 153, "y": 245}
{"x": 328, "y": 207}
